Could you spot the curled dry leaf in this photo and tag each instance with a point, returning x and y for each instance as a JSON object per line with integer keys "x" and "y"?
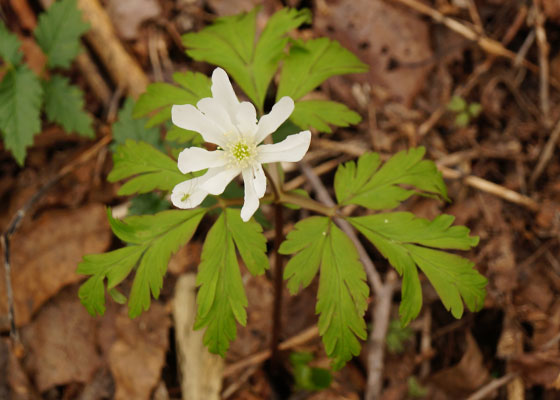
{"x": 45, "y": 254}
{"x": 61, "y": 343}
{"x": 393, "y": 41}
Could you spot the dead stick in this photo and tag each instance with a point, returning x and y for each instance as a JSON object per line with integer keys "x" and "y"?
{"x": 494, "y": 384}
{"x": 485, "y": 43}
{"x": 546, "y": 155}
{"x": 122, "y": 67}
{"x": 20, "y": 214}
{"x": 257, "y": 358}
{"x": 544, "y": 70}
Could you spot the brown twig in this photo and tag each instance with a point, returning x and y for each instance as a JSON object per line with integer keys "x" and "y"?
{"x": 124, "y": 69}
{"x": 494, "y": 384}
{"x": 257, "y": 358}
{"x": 546, "y": 155}
{"x": 487, "y": 44}
{"x": 480, "y": 70}
{"x": 544, "y": 68}
{"x": 16, "y": 220}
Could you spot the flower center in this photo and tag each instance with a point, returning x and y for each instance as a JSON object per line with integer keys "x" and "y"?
{"x": 241, "y": 153}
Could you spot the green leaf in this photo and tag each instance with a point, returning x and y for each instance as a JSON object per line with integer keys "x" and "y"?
{"x": 230, "y": 44}
{"x": 21, "y": 96}
{"x": 128, "y": 127}
{"x": 343, "y": 292}
{"x": 183, "y": 136}
{"x": 58, "y": 32}
{"x": 475, "y": 109}
{"x": 153, "y": 239}
{"x": 400, "y": 236}
{"x": 64, "y": 104}
{"x": 9, "y": 46}
{"x": 342, "y": 298}
{"x": 457, "y": 104}
{"x": 307, "y": 239}
{"x": 159, "y": 97}
{"x": 249, "y": 240}
{"x": 306, "y": 377}
{"x": 462, "y": 120}
{"x": 397, "y": 334}
{"x": 311, "y": 63}
{"x": 221, "y": 298}
{"x": 149, "y": 169}
{"x": 148, "y": 203}
{"x": 319, "y": 114}
{"x": 365, "y": 184}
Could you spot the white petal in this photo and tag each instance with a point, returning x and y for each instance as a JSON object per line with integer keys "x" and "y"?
{"x": 251, "y": 201}
{"x": 223, "y": 92}
{"x": 215, "y": 111}
{"x": 246, "y": 119}
{"x": 217, "y": 184}
{"x": 195, "y": 159}
{"x": 188, "y": 194}
{"x": 259, "y": 180}
{"x": 293, "y": 148}
{"x": 276, "y": 117}
{"x": 186, "y": 116}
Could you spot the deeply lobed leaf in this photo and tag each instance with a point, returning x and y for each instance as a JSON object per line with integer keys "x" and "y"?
{"x": 64, "y": 104}
{"x": 230, "y": 44}
{"x": 306, "y": 241}
{"x": 153, "y": 239}
{"x": 160, "y": 97}
{"x": 221, "y": 298}
{"x": 126, "y": 127}
{"x": 21, "y": 96}
{"x": 148, "y": 168}
{"x": 366, "y": 184}
{"x": 249, "y": 241}
{"x": 320, "y": 113}
{"x": 342, "y": 297}
{"x": 401, "y": 238}
{"x": 312, "y": 62}
{"x": 58, "y": 32}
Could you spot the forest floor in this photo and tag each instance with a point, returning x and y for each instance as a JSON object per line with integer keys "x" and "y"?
{"x": 501, "y": 166}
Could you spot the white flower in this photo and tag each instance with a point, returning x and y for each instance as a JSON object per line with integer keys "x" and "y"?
{"x": 233, "y": 127}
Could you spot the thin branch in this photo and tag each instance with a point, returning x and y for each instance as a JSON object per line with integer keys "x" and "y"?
{"x": 546, "y": 155}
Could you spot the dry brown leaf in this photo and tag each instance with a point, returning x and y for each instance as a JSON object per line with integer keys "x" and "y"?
{"x": 394, "y": 42}
{"x": 138, "y": 355}
{"x": 540, "y": 368}
{"x": 466, "y": 376}
{"x": 232, "y": 7}
{"x": 61, "y": 342}
{"x": 14, "y": 383}
{"x": 128, "y": 15}
{"x": 46, "y": 252}
{"x": 552, "y": 9}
